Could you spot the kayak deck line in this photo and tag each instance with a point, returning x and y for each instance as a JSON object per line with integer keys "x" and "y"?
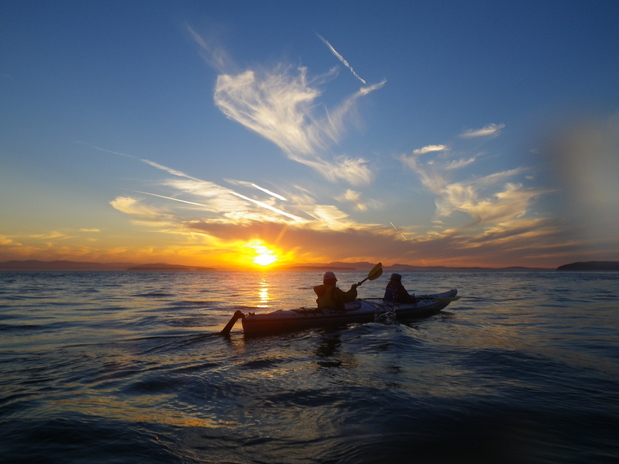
{"x": 358, "y": 311}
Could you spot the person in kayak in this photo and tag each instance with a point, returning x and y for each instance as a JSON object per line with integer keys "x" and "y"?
{"x": 395, "y": 291}
{"x": 332, "y": 297}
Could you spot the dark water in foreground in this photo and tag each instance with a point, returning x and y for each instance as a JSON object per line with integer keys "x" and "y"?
{"x": 127, "y": 367}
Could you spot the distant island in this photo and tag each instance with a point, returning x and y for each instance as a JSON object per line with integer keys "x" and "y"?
{"x": 364, "y": 266}
{"x": 316, "y": 267}
{"x": 34, "y": 265}
{"x": 591, "y": 266}
{"x": 169, "y": 267}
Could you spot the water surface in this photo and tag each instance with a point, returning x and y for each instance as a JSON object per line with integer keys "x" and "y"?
{"x": 115, "y": 367}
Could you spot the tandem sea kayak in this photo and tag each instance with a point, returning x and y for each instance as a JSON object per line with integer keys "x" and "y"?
{"x": 358, "y": 311}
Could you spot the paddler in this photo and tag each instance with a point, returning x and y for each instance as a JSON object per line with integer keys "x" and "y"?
{"x": 395, "y": 291}
{"x": 332, "y": 297}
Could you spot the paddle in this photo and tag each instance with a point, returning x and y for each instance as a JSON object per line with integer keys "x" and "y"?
{"x": 226, "y": 330}
{"x": 374, "y": 274}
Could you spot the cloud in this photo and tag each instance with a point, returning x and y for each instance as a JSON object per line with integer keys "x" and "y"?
{"x": 6, "y": 240}
{"x": 211, "y": 52}
{"x": 354, "y": 197}
{"x": 213, "y": 197}
{"x": 211, "y": 203}
{"x": 486, "y": 200}
{"x": 459, "y": 164}
{"x": 282, "y": 105}
{"x": 511, "y": 201}
{"x": 429, "y": 149}
{"x": 276, "y": 105}
{"x": 490, "y": 129}
{"x": 134, "y": 207}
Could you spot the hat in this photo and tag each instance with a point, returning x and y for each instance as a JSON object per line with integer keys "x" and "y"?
{"x": 329, "y": 276}
{"x": 397, "y": 277}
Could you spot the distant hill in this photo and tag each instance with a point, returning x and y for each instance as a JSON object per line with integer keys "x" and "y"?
{"x": 168, "y": 267}
{"x": 364, "y": 266}
{"x": 34, "y": 265}
{"x": 591, "y": 266}
{"x": 316, "y": 267}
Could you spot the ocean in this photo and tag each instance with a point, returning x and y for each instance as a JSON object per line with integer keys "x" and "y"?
{"x": 129, "y": 367}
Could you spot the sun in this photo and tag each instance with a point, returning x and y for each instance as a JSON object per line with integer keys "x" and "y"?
{"x": 265, "y": 259}
{"x": 264, "y": 255}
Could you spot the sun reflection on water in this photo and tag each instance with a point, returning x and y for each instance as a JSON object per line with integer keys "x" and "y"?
{"x": 263, "y": 294}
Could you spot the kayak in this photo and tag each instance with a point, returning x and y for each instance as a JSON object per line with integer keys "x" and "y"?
{"x": 358, "y": 311}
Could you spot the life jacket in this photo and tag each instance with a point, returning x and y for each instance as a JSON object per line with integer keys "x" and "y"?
{"x": 325, "y": 297}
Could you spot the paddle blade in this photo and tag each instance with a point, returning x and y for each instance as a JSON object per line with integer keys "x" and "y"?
{"x": 376, "y": 272}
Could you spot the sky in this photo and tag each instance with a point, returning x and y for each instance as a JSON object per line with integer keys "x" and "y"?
{"x": 237, "y": 133}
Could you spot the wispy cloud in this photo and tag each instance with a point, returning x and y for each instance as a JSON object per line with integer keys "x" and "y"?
{"x": 508, "y": 201}
{"x": 486, "y": 131}
{"x": 211, "y": 52}
{"x": 230, "y": 215}
{"x": 53, "y": 235}
{"x": 486, "y": 200}
{"x": 214, "y": 198}
{"x": 460, "y": 163}
{"x": 283, "y": 105}
{"x": 215, "y": 205}
{"x": 5, "y": 240}
{"x": 134, "y": 207}
{"x": 355, "y": 197}
{"x": 429, "y": 149}
{"x": 340, "y": 57}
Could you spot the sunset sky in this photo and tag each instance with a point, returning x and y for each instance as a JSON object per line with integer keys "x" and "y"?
{"x": 228, "y": 133}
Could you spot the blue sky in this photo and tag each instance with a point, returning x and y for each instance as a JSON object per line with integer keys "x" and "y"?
{"x": 204, "y": 132}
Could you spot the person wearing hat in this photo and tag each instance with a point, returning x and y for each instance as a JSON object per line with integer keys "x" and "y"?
{"x": 395, "y": 291}
{"x": 332, "y": 297}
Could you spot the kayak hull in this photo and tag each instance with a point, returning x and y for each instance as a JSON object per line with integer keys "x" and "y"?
{"x": 358, "y": 311}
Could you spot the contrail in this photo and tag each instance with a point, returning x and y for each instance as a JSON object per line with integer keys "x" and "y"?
{"x": 273, "y": 194}
{"x": 171, "y": 198}
{"x": 182, "y": 174}
{"x": 340, "y": 57}
{"x": 174, "y": 172}
{"x": 264, "y": 205}
{"x": 398, "y": 230}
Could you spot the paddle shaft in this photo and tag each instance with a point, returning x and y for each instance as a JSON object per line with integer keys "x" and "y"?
{"x": 237, "y": 315}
